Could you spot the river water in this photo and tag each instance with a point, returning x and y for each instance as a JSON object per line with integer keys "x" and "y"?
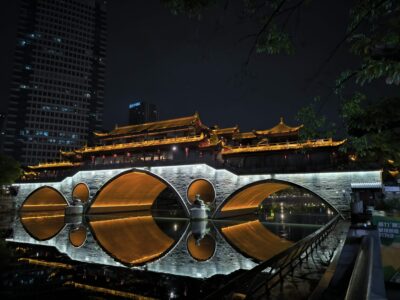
{"x": 146, "y": 253}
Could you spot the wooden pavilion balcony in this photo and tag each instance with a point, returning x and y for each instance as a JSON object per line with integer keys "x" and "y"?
{"x": 282, "y": 146}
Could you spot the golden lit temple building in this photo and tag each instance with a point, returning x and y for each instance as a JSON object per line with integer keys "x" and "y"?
{"x": 188, "y": 140}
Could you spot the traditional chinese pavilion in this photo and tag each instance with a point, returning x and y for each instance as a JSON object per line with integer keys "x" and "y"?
{"x": 280, "y": 149}
{"x": 188, "y": 140}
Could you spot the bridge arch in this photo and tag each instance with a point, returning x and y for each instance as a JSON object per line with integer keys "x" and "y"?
{"x": 81, "y": 191}
{"x": 44, "y": 198}
{"x": 202, "y": 187}
{"x": 134, "y": 189}
{"x": 247, "y": 198}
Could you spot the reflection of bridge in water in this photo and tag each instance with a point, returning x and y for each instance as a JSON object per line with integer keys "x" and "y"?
{"x": 127, "y": 220}
{"x": 162, "y": 245}
{"x": 228, "y": 194}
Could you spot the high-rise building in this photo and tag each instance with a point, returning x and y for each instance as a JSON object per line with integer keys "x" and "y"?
{"x": 142, "y": 112}
{"x": 2, "y": 130}
{"x": 57, "y": 89}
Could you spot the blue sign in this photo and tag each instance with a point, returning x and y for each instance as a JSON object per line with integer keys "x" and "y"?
{"x": 135, "y": 104}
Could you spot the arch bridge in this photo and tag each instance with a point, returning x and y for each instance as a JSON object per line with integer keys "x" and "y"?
{"x": 227, "y": 193}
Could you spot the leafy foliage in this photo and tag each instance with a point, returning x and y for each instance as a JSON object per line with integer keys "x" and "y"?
{"x": 274, "y": 41}
{"x": 315, "y": 125}
{"x": 373, "y": 129}
{"x": 373, "y": 35}
{"x": 9, "y": 169}
{"x": 377, "y": 42}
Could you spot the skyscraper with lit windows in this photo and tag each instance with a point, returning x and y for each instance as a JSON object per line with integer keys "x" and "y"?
{"x": 57, "y": 91}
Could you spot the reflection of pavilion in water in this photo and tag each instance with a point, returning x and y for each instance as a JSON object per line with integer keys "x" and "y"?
{"x": 175, "y": 246}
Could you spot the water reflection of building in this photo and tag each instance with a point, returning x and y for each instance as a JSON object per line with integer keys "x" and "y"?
{"x": 188, "y": 140}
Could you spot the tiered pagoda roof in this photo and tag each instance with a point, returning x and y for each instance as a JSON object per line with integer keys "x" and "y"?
{"x": 190, "y": 132}
{"x": 281, "y": 129}
{"x": 158, "y": 126}
{"x": 244, "y": 135}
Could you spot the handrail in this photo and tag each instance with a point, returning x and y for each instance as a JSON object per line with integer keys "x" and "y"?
{"x": 281, "y": 146}
{"x": 146, "y": 143}
{"x": 361, "y": 278}
{"x": 276, "y": 264}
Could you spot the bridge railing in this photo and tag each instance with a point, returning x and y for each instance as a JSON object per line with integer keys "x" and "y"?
{"x": 270, "y": 272}
{"x": 367, "y": 279}
{"x": 361, "y": 278}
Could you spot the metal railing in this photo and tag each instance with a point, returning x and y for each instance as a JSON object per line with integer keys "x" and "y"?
{"x": 361, "y": 278}
{"x": 270, "y": 272}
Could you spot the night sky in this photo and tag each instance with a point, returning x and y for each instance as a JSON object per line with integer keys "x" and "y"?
{"x": 185, "y": 65}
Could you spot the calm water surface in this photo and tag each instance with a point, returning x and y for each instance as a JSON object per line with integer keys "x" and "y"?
{"x": 148, "y": 253}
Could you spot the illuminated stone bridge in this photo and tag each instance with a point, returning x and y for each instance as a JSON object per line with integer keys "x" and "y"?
{"x": 230, "y": 194}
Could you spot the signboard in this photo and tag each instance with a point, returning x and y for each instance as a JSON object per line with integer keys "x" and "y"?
{"x": 389, "y": 231}
{"x": 134, "y": 104}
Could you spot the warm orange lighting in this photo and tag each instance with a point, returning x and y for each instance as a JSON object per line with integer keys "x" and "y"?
{"x": 353, "y": 157}
{"x": 96, "y": 289}
{"x": 43, "y": 226}
{"x": 253, "y": 239}
{"x": 203, "y": 249}
{"x": 144, "y": 144}
{"x": 67, "y": 153}
{"x": 228, "y": 130}
{"x": 44, "y": 198}
{"x": 252, "y": 196}
{"x": 81, "y": 192}
{"x": 133, "y": 135}
{"x": 283, "y": 146}
{"x": 77, "y": 237}
{"x": 45, "y": 263}
{"x": 203, "y": 188}
{"x": 132, "y": 240}
{"x": 209, "y": 143}
{"x": 279, "y": 129}
{"x": 29, "y": 173}
{"x": 244, "y": 135}
{"x": 130, "y": 191}
{"x": 57, "y": 164}
{"x": 154, "y": 126}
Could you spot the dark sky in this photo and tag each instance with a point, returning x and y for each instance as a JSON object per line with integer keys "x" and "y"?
{"x": 185, "y": 65}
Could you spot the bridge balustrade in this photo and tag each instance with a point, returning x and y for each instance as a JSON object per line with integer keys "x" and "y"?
{"x": 270, "y": 272}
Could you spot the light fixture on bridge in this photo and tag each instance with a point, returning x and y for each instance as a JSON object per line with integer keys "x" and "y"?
{"x": 174, "y": 148}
